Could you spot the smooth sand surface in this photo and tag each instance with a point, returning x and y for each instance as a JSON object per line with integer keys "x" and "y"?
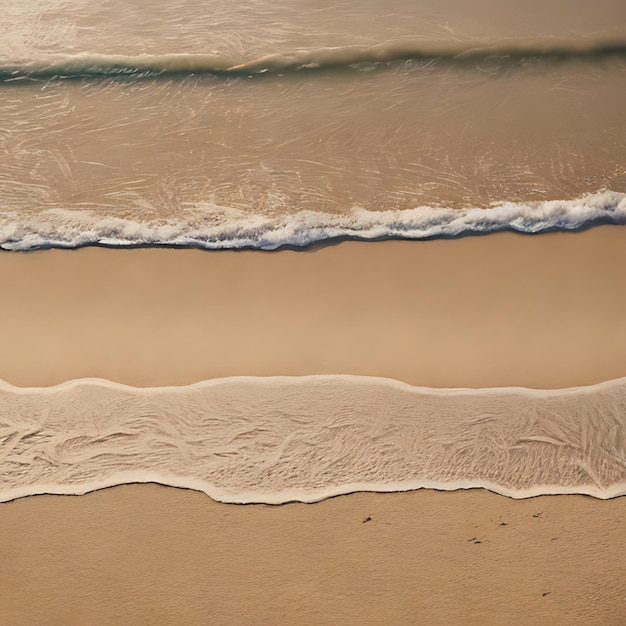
{"x": 155, "y": 555}
{"x": 540, "y": 311}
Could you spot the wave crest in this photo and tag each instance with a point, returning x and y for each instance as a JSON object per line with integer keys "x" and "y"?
{"x": 94, "y": 65}
{"x": 213, "y": 228}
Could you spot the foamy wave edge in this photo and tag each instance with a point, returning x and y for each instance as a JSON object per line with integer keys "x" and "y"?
{"x": 305, "y": 497}
{"x": 613, "y": 412}
{"x": 213, "y": 227}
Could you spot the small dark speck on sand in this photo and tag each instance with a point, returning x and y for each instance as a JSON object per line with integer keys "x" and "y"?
{"x": 367, "y": 519}
{"x": 538, "y": 514}
{"x": 478, "y": 542}
{"x": 503, "y": 524}
{"x": 472, "y": 539}
{"x": 545, "y": 593}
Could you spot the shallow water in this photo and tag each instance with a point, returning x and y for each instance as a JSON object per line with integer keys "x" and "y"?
{"x": 414, "y": 105}
{"x": 280, "y": 439}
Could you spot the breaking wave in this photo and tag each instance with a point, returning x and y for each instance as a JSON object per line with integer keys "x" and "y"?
{"x": 280, "y": 439}
{"x": 213, "y": 227}
{"x": 93, "y": 65}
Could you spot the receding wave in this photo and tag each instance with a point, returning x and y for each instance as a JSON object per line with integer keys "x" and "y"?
{"x": 213, "y": 227}
{"x": 281, "y": 439}
{"x": 147, "y": 65}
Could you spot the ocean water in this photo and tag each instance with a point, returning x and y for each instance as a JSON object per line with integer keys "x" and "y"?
{"x": 282, "y": 439}
{"x": 264, "y": 125}
{"x": 277, "y": 124}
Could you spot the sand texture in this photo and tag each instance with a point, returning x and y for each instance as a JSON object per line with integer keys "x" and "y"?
{"x": 152, "y": 555}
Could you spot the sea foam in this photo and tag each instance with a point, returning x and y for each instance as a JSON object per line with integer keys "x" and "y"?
{"x": 280, "y": 439}
{"x": 213, "y": 227}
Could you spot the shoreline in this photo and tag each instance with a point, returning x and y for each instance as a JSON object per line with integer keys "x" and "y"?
{"x": 137, "y": 478}
{"x": 305, "y": 378}
{"x": 308, "y": 230}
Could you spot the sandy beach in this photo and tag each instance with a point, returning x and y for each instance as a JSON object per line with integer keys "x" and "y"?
{"x": 153, "y": 555}
{"x": 334, "y": 486}
{"x": 545, "y": 311}
{"x": 504, "y": 310}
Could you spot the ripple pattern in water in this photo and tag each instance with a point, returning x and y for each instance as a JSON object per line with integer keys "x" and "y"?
{"x": 276, "y": 440}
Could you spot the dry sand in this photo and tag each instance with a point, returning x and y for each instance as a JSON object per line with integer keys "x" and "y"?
{"x": 155, "y": 555}
{"x": 545, "y": 311}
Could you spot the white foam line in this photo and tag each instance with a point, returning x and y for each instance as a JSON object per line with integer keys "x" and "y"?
{"x": 219, "y": 228}
{"x": 312, "y": 378}
{"x": 312, "y": 496}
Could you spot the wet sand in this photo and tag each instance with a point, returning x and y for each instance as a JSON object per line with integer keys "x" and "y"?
{"x": 502, "y": 310}
{"x": 153, "y": 555}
